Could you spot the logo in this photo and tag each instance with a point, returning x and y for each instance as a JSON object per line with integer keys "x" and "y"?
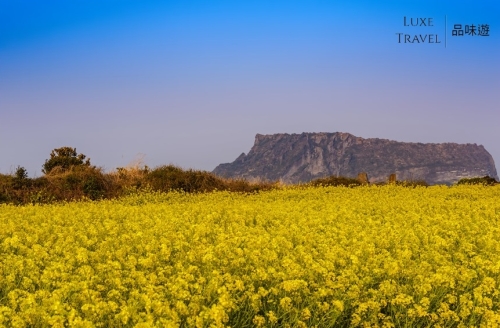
{"x": 431, "y": 35}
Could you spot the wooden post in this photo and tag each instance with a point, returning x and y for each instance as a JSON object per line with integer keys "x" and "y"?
{"x": 363, "y": 178}
{"x": 392, "y": 178}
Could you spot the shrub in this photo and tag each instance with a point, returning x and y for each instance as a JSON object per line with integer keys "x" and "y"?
{"x": 5, "y": 187}
{"x": 76, "y": 183}
{"x": 21, "y": 173}
{"x": 486, "y": 180}
{"x": 170, "y": 177}
{"x": 64, "y": 158}
{"x": 20, "y": 179}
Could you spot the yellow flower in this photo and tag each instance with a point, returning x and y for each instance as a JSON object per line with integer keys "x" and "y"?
{"x": 259, "y": 321}
{"x": 339, "y": 305}
{"x": 305, "y": 314}
{"x": 286, "y": 303}
{"x": 388, "y": 255}
{"x": 272, "y": 317}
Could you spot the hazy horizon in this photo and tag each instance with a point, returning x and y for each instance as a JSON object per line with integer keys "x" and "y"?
{"x": 191, "y": 84}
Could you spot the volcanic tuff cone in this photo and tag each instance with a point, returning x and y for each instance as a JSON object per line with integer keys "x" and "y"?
{"x": 294, "y": 158}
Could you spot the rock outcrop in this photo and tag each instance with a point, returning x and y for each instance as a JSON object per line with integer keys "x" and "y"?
{"x": 294, "y": 158}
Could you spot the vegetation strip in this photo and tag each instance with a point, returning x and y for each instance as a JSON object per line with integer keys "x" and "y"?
{"x": 384, "y": 256}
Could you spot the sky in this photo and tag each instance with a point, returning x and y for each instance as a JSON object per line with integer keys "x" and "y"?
{"x": 191, "y": 83}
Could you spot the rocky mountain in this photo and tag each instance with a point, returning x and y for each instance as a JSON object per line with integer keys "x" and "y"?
{"x": 294, "y": 158}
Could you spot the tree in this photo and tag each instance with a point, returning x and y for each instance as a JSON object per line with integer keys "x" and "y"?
{"x": 20, "y": 178}
{"x": 64, "y": 158}
{"x": 21, "y": 173}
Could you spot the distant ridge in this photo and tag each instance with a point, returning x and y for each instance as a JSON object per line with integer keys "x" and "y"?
{"x": 294, "y": 158}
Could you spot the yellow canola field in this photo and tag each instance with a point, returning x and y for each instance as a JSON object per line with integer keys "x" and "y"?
{"x": 312, "y": 257}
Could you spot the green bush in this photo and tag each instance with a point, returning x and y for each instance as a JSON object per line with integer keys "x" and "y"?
{"x": 486, "y": 180}
{"x": 76, "y": 183}
{"x": 64, "y": 158}
{"x": 94, "y": 187}
{"x": 41, "y": 197}
{"x": 20, "y": 179}
{"x": 170, "y": 177}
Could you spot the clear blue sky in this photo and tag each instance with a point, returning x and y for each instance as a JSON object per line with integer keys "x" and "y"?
{"x": 191, "y": 82}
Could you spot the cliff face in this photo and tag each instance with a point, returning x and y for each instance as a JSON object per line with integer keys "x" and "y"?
{"x": 294, "y": 158}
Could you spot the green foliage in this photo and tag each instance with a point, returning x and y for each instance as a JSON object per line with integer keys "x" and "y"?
{"x": 78, "y": 182}
{"x": 486, "y": 181}
{"x": 64, "y": 158}
{"x": 3, "y": 198}
{"x": 5, "y": 186}
{"x": 170, "y": 177}
{"x": 94, "y": 187}
{"x": 21, "y": 173}
{"x": 20, "y": 179}
{"x": 40, "y": 197}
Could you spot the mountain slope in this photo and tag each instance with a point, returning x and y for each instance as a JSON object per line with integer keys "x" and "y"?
{"x": 294, "y": 158}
